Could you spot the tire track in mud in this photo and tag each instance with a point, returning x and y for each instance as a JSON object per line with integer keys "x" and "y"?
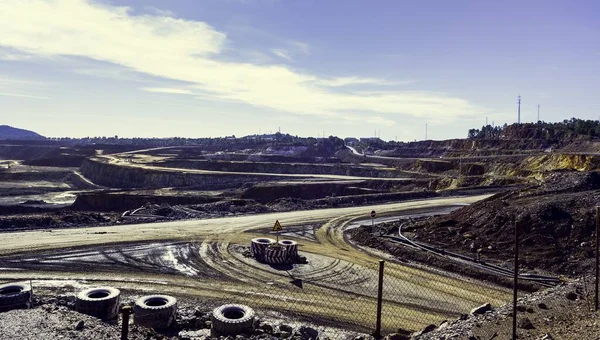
{"x": 341, "y": 276}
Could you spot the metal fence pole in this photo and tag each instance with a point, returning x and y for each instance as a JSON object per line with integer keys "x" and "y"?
{"x": 377, "y": 333}
{"x": 126, "y": 310}
{"x": 516, "y": 278}
{"x": 597, "y": 256}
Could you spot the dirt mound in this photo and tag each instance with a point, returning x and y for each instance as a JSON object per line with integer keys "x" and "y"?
{"x": 556, "y": 232}
{"x": 55, "y": 219}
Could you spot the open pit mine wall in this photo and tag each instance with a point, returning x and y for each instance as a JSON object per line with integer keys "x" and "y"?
{"x": 120, "y": 201}
{"x": 425, "y": 165}
{"x": 29, "y": 152}
{"x": 123, "y": 176}
{"x": 470, "y": 147}
{"x": 286, "y": 168}
{"x": 343, "y": 192}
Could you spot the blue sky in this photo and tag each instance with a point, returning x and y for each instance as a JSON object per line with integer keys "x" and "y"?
{"x": 199, "y": 68}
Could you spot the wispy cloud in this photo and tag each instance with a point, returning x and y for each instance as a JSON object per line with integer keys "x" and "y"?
{"x": 23, "y": 88}
{"x": 8, "y": 56}
{"x": 282, "y": 53}
{"x": 167, "y": 90}
{"x": 190, "y": 51}
{"x": 301, "y": 47}
{"x": 8, "y": 94}
{"x": 159, "y": 12}
{"x": 6, "y": 81}
{"x": 347, "y": 81}
{"x": 291, "y": 49}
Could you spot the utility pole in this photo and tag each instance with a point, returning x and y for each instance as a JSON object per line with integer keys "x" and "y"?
{"x": 519, "y": 112}
{"x": 538, "y": 112}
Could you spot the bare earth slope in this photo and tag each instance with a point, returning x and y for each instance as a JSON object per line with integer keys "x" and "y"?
{"x": 556, "y": 231}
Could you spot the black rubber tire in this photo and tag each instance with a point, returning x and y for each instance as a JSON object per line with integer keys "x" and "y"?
{"x": 291, "y": 248}
{"x": 276, "y": 254}
{"x": 259, "y": 245}
{"x": 101, "y": 302}
{"x": 155, "y": 311}
{"x": 14, "y": 295}
{"x": 232, "y": 320}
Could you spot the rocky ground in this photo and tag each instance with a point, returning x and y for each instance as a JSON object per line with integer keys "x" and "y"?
{"x": 563, "y": 312}
{"x": 53, "y": 317}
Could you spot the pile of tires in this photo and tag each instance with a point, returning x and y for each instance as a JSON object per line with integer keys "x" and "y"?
{"x": 291, "y": 248}
{"x": 259, "y": 246}
{"x": 15, "y": 295}
{"x": 276, "y": 254}
{"x": 101, "y": 302}
{"x": 155, "y": 311}
{"x": 232, "y": 320}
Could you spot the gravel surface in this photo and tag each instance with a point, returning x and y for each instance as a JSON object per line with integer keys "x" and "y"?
{"x": 563, "y": 312}
{"x": 53, "y": 317}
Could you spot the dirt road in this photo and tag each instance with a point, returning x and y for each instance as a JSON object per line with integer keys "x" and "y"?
{"x": 206, "y": 258}
{"x": 133, "y": 163}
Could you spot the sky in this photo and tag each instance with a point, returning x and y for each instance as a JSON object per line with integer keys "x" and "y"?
{"x": 200, "y": 68}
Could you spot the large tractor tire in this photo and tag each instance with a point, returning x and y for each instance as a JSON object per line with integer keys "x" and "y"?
{"x": 232, "y": 320}
{"x": 291, "y": 248}
{"x": 276, "y": 254}
{"x": 155, "y": 311}
{"x": 101, "y": 302}
{"x": 258, "y": 247}
{"x": 15, "y": 295}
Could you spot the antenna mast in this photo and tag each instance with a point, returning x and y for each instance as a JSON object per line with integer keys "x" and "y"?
{"x": 538, "y": 112}
{"x": 519, "y": 112}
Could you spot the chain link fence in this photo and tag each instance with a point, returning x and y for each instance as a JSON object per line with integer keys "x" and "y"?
{"x": 352, "y": 294}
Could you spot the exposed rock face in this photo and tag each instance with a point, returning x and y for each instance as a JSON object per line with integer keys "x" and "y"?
{"x": 284, "y": 168}
{"x": 123, "y": 176}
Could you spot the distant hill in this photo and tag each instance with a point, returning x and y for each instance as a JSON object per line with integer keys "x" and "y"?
{"x": 9, "y": 132}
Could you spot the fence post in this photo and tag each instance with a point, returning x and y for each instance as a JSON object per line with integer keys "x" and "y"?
{"x": 126, "y": 311}
{"x": 377, "y": 333}
{"x": 597, "y": 256}
{"x": 516, "y": 278}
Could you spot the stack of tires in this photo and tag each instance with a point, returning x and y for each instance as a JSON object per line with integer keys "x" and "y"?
{"x": 155, "y": 311}
{"x": 276, "y": 254}
{"x": 15, "y": 295}
{"x": 101, "y": 302}
{"x": 259, "y": 246}
{"x": 291, "y": 248}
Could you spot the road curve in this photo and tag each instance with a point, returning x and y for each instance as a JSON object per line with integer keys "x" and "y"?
{"x": 338, "y": 285}
{"x": 112, "y": 159}
{"x": 188, "y": 229}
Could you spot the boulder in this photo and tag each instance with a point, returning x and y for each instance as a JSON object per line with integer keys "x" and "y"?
{"x": 525, "y": 323}
{"x": 308, "y": 333}
{"x": 481, "y": 309}
{"x": 79, "y": 325}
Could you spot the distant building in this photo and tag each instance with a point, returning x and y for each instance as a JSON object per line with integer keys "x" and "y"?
{"x": 351, "y": 140}
{"x": 370, "y": 139}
